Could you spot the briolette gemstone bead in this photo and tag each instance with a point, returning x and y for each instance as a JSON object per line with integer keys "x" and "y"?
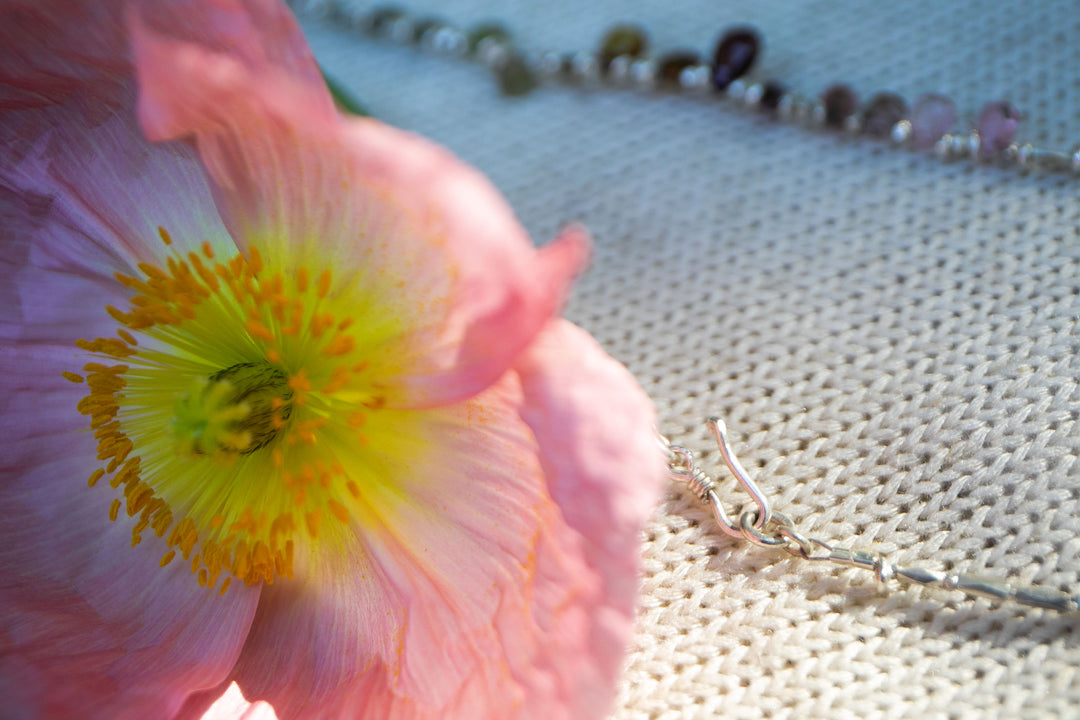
{"x": 840, "y": 103}
{"x": 735, "y": 53}
{"x": 515, "y": 76}
{"x": 620, "y": 41}
{"x": 996, "y": 127}
{"x": 882, "y": 113}
{"x": 932, "y": 116}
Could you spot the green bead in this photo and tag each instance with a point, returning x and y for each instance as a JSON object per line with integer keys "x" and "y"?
{"x": 515, "y": 77}
{"x": 626, "y": 40}
{"x": 483, "y": 31}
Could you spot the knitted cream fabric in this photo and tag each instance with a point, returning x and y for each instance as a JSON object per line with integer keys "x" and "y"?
{"x": 892, "y": 340}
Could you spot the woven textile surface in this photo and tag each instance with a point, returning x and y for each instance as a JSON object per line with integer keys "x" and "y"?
{"x": 891, "y": 339}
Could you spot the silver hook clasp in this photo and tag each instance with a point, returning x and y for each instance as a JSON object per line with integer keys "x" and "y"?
{"x": 681, "y": 466}
{"x": 719, "y": 431}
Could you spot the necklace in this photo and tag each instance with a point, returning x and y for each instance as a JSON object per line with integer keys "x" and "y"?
{"x": 621, "y": 61}
{"x": 929, "y": 124}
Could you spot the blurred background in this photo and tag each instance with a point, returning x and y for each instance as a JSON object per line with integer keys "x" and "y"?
{"x": 891, "y": 338}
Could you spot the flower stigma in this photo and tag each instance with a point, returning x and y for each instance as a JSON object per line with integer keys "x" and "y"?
{"x": 231, "y": 411}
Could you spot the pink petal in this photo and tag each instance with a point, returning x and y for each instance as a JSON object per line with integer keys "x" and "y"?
{"x": 89, "y": 626}
{"x": 428, "y": 235}
{"x": 598, "y": 446}
{"x": 82, "y": 202}
{"x": 469, "y": 595}
{"x": 53, "y": 49}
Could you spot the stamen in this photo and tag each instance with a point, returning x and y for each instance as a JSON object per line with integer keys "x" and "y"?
{"x": 258, "y": 355}
{"x": 324, "y": 284}
{"x": 338, "y": 510}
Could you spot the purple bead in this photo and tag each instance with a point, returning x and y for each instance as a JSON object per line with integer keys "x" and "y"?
{"x": 996, "y": 127}
{"x": 840, "y": 103}
{"x": 882, "y": 113}
{"x": 735, "y": 54}
{"x": 933, "y": 116}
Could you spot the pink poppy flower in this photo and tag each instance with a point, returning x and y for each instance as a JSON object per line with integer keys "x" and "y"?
{"x": 341, "y": 455}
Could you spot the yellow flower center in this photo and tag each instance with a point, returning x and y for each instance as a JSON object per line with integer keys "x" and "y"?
{"x": 228, "y": 407}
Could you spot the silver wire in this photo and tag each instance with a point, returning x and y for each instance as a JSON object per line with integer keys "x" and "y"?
{"x": 765, "y": 527}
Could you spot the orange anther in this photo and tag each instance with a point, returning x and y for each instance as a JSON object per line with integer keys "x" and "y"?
{"x": 314, "y": 519}
{"x": 260, "y": 331}
{"x": 255, "y": 259}
{"x": 339, "y": 510}
{"x": 300, "y": 381}
{"x": 324, "y": 283}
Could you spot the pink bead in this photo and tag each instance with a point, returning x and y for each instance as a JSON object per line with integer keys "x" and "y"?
{"x": 931, "y": 117}
{"x": 996, "y": 127}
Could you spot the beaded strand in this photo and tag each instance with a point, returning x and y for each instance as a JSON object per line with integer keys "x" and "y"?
{"x": 622, "y": 60}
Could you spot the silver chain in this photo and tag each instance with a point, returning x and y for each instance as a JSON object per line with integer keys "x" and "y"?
{"x": 765, "y": 527}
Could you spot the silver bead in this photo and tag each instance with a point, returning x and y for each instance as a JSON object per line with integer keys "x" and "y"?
{"x": 1023, "y": 155}
{"x": 450, "y": 40}
{"x": 800, "y": 109}
{"x": 967, "y": 145}
{"x": 492, "y": 52}
{"x": 618, "y": 70}
{"x": 584, "y": 66}
{"x": 1076, "y": 159}
{"x": 549, "y": 64}
{"x": 736, "y": 90}
{"x": 943, "y": 147}
{"x": 901, "y": 132}
{"x": 853, "y": 124}
{"x": 695, "y": 78}
{"x": 643, "y": 73}
{"x": 787, "y": 107}
{"x": 816, "y": 114}
{"x": 752, "y": 96}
